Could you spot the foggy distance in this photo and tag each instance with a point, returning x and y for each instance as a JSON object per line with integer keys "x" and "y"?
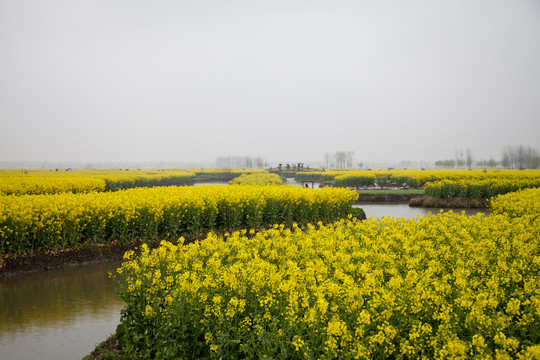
{"x": 183, "y": 83}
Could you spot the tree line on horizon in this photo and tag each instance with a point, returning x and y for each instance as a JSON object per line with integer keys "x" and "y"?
{"x": 512, "y": 157}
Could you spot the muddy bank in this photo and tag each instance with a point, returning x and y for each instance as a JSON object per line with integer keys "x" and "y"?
{"x": 386, "y": 198}
{"x": 83, "y": 255}
{"x": 458, "y": 203}
{"x": 107, "y": 349}
{"x": 96, "y": 253}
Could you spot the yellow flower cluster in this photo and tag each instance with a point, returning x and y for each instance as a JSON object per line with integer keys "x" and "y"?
{"x": 445, "y": 286}
{"x": 479, "y": 188}
{"x": 36, "y": 182}
{"x": 116, "y": 180}
{"x": 525, "y": 203}
{"x": 413, "y": 178}
{"x": 224, "y": 174}
{"x": 46, "y": 222}
{"x": 15, "y": 184}
{"x": 259, "y": 178}
{"x": 221, "y": 171}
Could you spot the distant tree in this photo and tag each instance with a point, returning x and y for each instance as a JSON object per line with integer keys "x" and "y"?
{"x": 259, "y": 162}
{"x": 341, "y": 159}
{"x": 521, "y": 157}
{"x": 231, "y": 162}
{"x": 506, "y": 158}
{"x": 447, "y": 164}
{"x": 223, "y": 162}
{"x": 349, "y": 155}
{"x": 248, "y": 162}
{"x": 492, "y": 163}
{"x": 518, "y": 157}
{"x": 469, "y": 157}
{"x": 488, "y": 163}
{"x": 327, "y": 159}
{"x": 459, "y": 158}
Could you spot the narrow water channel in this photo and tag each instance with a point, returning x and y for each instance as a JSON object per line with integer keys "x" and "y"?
{"x": 58, "y": 314}
{"x": 64, "y": 314}
{"x": 404, "y": 210}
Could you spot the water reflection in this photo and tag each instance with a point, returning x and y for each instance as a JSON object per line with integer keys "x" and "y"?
{"x": 60, "y": 314}
{"x": 405, "y": 211}
{"x": 63, "y": 314}
{"x": 293, "y": 182}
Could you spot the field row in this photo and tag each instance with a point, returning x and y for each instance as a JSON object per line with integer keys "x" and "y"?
{"x": 445, "y": 286}
{"x": 38, "y": 182}
{"x": 468, "y": 183}
{"x": 46, "y": 182}
{"x": 257, "y": 179}
{"x": 411, "y": 178}
{"x": 46, "y": 222}
{"x": 478, "y": 188}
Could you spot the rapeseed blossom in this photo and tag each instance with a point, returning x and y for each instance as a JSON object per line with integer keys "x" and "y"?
{"x": 40, "y": 182}
{"x": 257, "y": 179}
{"x": 444, "y": 286}
{"x": 457, "y": 182}
{"x": 48, "y": 222}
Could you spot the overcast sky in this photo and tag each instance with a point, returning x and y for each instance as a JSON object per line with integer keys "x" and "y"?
{"x": 288, "y": 80}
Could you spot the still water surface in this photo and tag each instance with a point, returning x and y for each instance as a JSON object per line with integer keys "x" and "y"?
{"x": 404, "y": 210}
{"x": 63, "y": 314}
{"x": 59, "y": 314}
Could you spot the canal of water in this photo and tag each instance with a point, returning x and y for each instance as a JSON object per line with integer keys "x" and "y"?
{"x": 58, "y": 314}
{"x": 404, "y": 210}
{"x": 64, "y": 314}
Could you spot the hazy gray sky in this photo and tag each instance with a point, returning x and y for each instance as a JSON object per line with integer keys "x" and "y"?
{"x": 288, "y": 80}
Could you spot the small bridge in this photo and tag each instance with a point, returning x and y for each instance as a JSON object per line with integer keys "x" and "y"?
{"x": 308, "y": 184}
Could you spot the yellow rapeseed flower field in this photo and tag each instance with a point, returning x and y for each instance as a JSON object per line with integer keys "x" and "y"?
{"x": 444, "y": 286}
{"x": 37, "y": 182}
{"x": 257, "y": 179}
{"x": 16, "y": 184}
{"x": 47, "y": 222}
{"x": 524, "y": 203}
{"x": 479, "y": 188}
{"x": 417, "y": 178}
